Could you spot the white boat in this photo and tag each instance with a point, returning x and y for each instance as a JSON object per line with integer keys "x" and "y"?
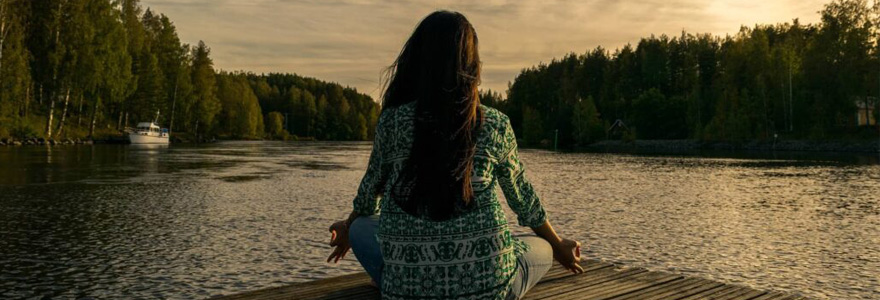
{"x": 149, "y": 133}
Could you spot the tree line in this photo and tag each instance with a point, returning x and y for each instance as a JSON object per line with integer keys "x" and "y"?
{"x": 792, "y": 80}
{"x": 85, "y": 68}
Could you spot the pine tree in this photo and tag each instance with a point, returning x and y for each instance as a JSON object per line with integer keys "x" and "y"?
{"x": 204, "y": 84}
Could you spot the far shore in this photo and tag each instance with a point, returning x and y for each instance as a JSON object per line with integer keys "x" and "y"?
{"x": 185, "y": 139}
{"x": 846, "y": 146}
{"x": 842, "y": 146}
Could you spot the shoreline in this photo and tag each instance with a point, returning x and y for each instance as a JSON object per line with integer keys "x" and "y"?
{"x": 48, "y": 142}
{"x": 863, "y": 147}
{"x": 115, "y": 140}
{"x": 9, "y": 142}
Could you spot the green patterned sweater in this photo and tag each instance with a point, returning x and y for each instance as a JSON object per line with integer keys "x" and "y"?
{"x": 472, "y": 256}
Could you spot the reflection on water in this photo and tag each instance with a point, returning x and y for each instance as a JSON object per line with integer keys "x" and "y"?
{"x": 110, "y": 221}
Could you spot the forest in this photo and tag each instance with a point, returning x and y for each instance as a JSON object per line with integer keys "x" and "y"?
{"x": 90, "y": 68}
{"x": 791, "y": 80}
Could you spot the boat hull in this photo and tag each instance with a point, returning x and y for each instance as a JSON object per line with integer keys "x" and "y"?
{"x": 147, "y": 139}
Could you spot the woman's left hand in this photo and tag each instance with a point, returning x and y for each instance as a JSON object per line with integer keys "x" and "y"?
{"x": 568, "y": 254}
{"x": 339, "y": 238}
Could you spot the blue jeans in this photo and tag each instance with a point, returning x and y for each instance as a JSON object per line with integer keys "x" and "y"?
{"x": 531, "y": 266}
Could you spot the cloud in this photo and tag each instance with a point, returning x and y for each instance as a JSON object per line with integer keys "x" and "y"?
{"x": 352, "y": 41}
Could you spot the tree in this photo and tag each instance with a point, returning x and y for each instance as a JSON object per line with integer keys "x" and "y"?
{"x": 533, "y": 127}
{"x": 323, "y": 115}
{"x": 183, "y": 96}
{"x": 107, "y": 65}
{"x": 60, "y": 54}
{"x": 204, "y": 84}
{"x": 646, "y": 114}
{"x": 653, "y": 61}
{"x": 182, "y": 92}
{"x": 131, "y": 12}
{"x": 15, "y": 77}
{"x": 310, "y": 107}
{"x": 275, "y": 125}
{"x": 149, "y": 96}
{"x": 109, "y": 61}
{"x": 171, "y": 59}
{"x": 491, "y": 99}
{"x": 588, "y": 128}
{"x": 837, "y": 63}
{"x": 658, "y": 117}
{"x": 361, "y": 129}
{"x": 296, "y": 109}
{"x": 801, "y": 80}
{"x": 240, "y": 116}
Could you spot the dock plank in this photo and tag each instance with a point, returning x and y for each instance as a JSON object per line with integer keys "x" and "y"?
{"x": 600, "y": 281}
{"x": 617, "y": 287}
{"x": 701, "y": 286}
{"x": 672, "y": 287}
{"x": 562, "y": 285}
{"x": 770, "y": 296}
{"x": 710, "y": 293}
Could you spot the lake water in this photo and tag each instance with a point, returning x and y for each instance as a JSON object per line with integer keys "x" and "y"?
{"x": 114, "y": 221}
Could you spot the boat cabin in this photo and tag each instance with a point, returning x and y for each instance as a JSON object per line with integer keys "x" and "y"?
{"x": 148, "y": 127}
{"x": 151, "y": 129}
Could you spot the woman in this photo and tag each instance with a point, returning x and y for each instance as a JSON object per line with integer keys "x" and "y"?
{"x": 436, "y": 158}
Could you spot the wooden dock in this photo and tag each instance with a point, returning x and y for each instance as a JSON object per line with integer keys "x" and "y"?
{"x": 600, "y": 280}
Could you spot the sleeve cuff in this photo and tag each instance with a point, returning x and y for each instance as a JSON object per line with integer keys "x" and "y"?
{"x": 362, "y": 209}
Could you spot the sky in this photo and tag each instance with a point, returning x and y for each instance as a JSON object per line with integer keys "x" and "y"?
{"x": 352, "y": 41}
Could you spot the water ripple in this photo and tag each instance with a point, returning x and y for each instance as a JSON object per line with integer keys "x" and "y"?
{"x": 193, "y": 222}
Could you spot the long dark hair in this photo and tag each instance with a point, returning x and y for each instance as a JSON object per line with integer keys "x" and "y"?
{"x": 439, "y": 69}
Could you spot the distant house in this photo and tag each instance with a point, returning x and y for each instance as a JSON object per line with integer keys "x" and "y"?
{"x": 618, "y": 129}
{"x": 865, "y": 112}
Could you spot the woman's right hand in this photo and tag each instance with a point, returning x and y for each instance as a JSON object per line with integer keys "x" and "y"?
{"x": 568, "y": 254}
{"x": 339, "y": 239}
